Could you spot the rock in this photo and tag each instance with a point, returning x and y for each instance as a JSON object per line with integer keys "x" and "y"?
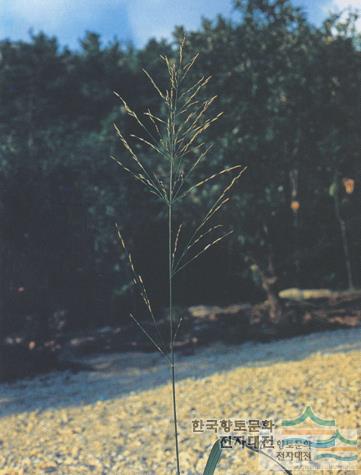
{"x": 214, "y": 312}
{"x": 305, "y": 294}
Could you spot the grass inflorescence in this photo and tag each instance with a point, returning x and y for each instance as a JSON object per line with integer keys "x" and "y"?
{"x": 176, "y": 138}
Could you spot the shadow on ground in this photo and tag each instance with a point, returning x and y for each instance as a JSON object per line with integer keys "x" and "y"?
{"x": 117, "y": 375}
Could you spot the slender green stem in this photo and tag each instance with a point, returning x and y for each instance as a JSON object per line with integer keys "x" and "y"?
{"x": 175, "y": 415}
{"x": 172, "y": 160}
{"x": 171, "y": 323}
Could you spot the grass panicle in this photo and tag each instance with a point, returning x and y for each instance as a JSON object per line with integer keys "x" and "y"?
{"x": 176, "y": 139}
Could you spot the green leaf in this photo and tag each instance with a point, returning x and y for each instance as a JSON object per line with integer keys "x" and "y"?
{"x": 213, "y": 458}
{"x": 216, "y": 453}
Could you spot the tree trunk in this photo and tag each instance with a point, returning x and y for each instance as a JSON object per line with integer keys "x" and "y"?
{"x": 344, "y": 239}
{"x": 269, "y": 284}
{"x": 2, "y": 308}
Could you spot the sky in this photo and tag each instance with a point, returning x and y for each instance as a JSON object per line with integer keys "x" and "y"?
{"x": 129, "y": 20}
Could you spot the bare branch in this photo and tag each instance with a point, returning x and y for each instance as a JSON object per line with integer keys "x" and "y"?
{"x": 149, "y": 337}
{"x": 208, "y": 246}
{"x": 152, "y": 188}
{"x": 177, "y": 328}
{"x": 138, "y": 282}
{"x": 206, "y": 180}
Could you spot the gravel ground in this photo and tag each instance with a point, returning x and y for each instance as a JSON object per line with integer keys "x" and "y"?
{"x": 116, "y": 420}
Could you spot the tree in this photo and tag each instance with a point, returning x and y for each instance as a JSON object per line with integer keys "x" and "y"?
{"x": 274, "y": 71}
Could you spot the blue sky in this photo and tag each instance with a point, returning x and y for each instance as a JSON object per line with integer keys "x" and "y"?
{"x": 134, "y": 20}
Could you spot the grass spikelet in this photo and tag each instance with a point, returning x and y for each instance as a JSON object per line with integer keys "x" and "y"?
{"x": 154, "y": 84}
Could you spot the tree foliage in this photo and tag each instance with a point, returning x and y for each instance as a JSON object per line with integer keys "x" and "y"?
{"x": 290, "y": 94}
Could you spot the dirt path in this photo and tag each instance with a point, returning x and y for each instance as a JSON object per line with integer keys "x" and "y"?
{"x": 117, "y": 420}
